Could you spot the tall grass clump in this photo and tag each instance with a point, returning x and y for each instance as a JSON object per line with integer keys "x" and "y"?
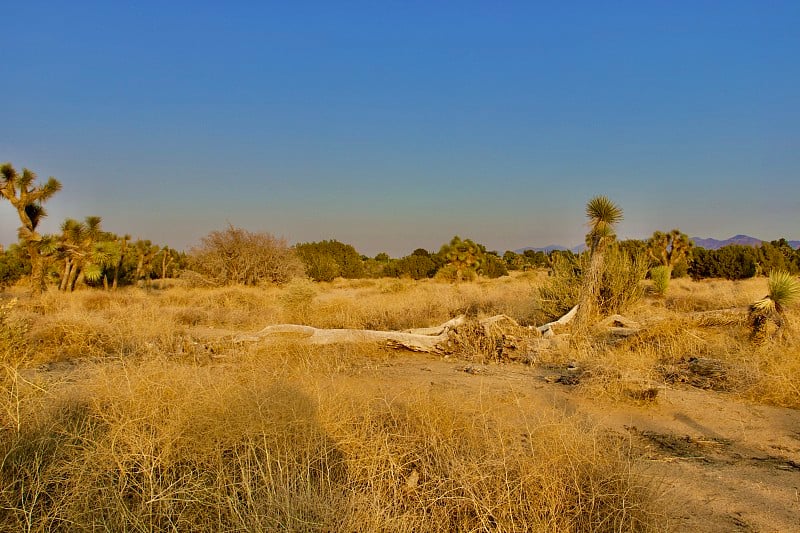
{"x": 618, "y": 288}
{"x": 13, "y": 348}
{"x": 297, "y": 299}
{"x": 163, "y": 446}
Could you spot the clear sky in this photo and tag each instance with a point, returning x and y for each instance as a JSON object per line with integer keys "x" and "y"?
{"x": 395, "y": 125}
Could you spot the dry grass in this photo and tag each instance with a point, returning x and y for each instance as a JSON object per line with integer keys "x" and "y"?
{"x": 158, "y": 430}
{"x": 674, "y": 335}
{"x": 261, "y": 445}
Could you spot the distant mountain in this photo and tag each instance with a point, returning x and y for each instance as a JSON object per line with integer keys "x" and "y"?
{"x": 745, "y": 240}
{"x": 715, "y": 244}
{"x": 551, "y": 247}
{"x": 709, "y": 244}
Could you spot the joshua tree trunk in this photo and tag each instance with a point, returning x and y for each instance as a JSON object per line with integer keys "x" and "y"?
{"x": 79, "y": 280}
{"x": 166, "y": 261}
{"x": 37, "y": 269}
{"x": 68, "y": 266}
{"x": 76, "y": 270}
{"x": 592, "y": 280}
{"x": 139, "y": 269}
{"x": 116, "y": 273}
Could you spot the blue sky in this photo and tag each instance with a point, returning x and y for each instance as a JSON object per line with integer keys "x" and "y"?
{"x": 395, "y": 125}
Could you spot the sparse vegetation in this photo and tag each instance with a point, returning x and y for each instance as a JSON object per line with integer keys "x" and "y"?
{"x": 163, "y": 427}
{"x": 660, "y": 276}
{"x": 238, "y": 256}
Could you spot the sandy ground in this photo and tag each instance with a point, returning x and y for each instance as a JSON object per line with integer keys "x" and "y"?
{"x": 722, "y": 464}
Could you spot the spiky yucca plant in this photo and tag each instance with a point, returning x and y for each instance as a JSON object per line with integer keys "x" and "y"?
{"x": 784, "y": 290}
{"x": 603, "y": 215}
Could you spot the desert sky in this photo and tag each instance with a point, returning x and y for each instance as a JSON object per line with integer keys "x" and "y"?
{"x": 396, "y": 125}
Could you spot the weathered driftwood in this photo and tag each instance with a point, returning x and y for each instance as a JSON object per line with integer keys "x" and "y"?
{"x": 494, "y": 334}
{"x": 547, "y": 329}
{"x": 499, "y": 336}
{"x": 418, "y": 342}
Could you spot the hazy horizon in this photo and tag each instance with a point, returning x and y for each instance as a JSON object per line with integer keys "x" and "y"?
{"x": 393, "y": 126}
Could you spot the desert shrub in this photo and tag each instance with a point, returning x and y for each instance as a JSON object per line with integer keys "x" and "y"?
{"x": 415, "y": 266}
{"x": 562, "y": 290}
{"x": 619, "y": 287}
{"x": 326, "y": 260}
{"x": 453, "y": 274}
{"x": 493, "y": 266}
{"x": 237, "y": 256}
{"x": 320, "y": 267}
{"x": 660, "y": 276}
{"x": 681, "y": 269}
{"x": 541, "y": 259}
{"x": 733, "y": 262}
{"x": 14, "y": 264}
{"x": 13, "y": 347}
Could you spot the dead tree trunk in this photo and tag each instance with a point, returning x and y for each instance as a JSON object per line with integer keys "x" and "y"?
{"x": 429, "y": 340}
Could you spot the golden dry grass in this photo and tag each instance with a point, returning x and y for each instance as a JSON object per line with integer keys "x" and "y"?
{"x": 275, "y": 443}
{"x": 155, "y": 429}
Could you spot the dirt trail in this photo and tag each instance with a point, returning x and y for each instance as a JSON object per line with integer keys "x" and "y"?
{"x": 724, "y": 464}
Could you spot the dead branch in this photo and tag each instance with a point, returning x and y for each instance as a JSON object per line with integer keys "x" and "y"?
{"x": 547, "y": 329}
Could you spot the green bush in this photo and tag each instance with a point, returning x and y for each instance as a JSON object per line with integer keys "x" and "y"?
{"x": 660, "y": 276}
{"x": 14, "y": 264}
{"x": 451, "y": 273}
{"x": 733, "y": 262}
{"x": 326, "y": 260}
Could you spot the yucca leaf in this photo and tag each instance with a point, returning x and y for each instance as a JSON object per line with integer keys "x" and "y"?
{"x": 92, "y": 272}
{"x": 784, "y": 289}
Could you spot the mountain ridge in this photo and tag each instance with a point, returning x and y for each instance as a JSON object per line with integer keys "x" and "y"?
{"x": 701, "y": 242}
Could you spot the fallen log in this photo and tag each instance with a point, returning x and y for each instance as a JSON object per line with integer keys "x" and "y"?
{"x": 500, "y": 336}
{"x": 495, "y": 334}
{"x": 417, "y": 342}
{"x": 547, "y": 329}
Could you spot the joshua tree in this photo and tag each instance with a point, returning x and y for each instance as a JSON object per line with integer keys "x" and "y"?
{"x": 669, "y": 249}
{"x": 784, "y": 289}
{"x": 145, "y": 253}
{"x": 463, "y": 255}
{"x": 603, "y": 215}
{"x": 84, "y": 257}
{"x": 120, "y": 249}
{"x": 28, "y": 197}
{"x": 71, "y": 237}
